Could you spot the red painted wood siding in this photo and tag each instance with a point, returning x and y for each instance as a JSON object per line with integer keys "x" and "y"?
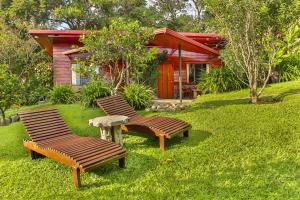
{"x": 62, "y": 73}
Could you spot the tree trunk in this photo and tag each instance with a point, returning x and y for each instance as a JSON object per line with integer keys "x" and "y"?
{"x": 2, "y": 113}
{"x": 253, "y": 92}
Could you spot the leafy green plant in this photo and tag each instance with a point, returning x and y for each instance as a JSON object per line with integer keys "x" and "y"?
{"x": 62, "y": 94}
{"x": 289, "y": 70}
{"x": 10, "y": 90}
{"x": 287, "y": 59}
{"x": 92, "y": 91}
{"x": 137, "y": 95}
{"x": 218, "y": 80}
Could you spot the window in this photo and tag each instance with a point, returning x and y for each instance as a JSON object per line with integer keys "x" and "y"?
{"x": 78, "y": 79}
{"x": 194, "y": 72}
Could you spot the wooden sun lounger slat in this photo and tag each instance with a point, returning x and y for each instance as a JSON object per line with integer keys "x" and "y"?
{"x": 74, "y": 147}
{"x": 51, "y": 137}
{"x": 56, "y": 140}
{"x": 41, "y": 115}
{"x": 101, "y": 157}
{"x": 161, "y": 127}
{"x": 45, "y": 130}
{"x": 84, "y": 157}
{"x": 76, "y": 150}
{"x": 83, "y": 152}
{"x": 44, "y": 124}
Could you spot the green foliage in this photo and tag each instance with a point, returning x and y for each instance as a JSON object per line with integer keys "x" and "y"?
{"x": 252, "y": 30}
{"x": 38, "y": 83}
{"x": 289, "y": 71}
{"x": 62, "y": 94}
{"x": 123, "y": 40}
{"x": 219, "y": 80}
{"x": 26, "y": 60}
{"x": 150, "y": 73}
{"x": 92, "y": 91}
{"x": 287, "y": 59}
{"x": 10, "y": 90}
{"x": 137, "y": 95}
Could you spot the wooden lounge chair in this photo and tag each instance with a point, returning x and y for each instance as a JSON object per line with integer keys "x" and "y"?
{"x": 162, "y": 127}
{"x": 51, "y": 137}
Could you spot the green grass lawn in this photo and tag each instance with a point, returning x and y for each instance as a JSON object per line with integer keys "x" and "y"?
{"x": 235, "y": 151}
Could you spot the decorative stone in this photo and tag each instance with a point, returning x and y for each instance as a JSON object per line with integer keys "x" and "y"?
{"x": 15, "y": 118}
{"x": 110, "y": 127}
{"x": 166, "y": 106}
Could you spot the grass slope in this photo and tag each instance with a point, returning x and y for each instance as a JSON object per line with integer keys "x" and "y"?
{"x": 235, "y": 151}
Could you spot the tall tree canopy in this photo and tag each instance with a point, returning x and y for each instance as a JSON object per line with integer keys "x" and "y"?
{"x": 253, "y": 29}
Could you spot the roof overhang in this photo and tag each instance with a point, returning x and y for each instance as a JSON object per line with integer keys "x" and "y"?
{"x": 203, "y": 43}
{"x": 171, "y": 39}
{"x": 46, "y": 38}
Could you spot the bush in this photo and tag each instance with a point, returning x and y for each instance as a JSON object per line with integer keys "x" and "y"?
{"x": 289, "y": 69}
{"x": 10, "y": 90}
{"x": 63, "y": 94}
{"x": 219, "y": 80}
{"x": 137, "y": 95}
{"x": 92, "y": 91}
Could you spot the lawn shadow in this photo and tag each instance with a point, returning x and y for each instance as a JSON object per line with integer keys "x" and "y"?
{"x": 137, "y": 165}
{"x": 218, "y": 103}
{"x": 195, "y": 137}
{"x": 266, "y": 99}
{"x": 282, "y": 95}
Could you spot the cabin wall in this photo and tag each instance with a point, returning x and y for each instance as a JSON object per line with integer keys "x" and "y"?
{"x": 62, "y": 73}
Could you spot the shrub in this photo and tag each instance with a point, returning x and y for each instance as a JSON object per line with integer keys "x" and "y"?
{"x": 219, "y": 80}
{"x": 63, "y": 94}
{"x": 289, "y": 69}
{"x": 137, "y": 95}
{"x": 10, "y": 90}
{"x": 92, "y": 91}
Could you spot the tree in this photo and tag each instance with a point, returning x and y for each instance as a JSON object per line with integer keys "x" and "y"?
{"x": 27, "y": 61}
{"x": 21, "y": 14}
{"x": 121, "y": 48}
{"x": 174, "y": 14}
{"x": 82, "y": 14}
{"x": 252, "y": 29}
{"x": 10, "y": 90}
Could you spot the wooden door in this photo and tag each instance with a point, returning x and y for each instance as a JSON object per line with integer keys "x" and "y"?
{"x": 165, "y": 82}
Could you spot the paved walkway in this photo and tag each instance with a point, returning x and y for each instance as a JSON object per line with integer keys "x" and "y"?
{"x": 184, "y": 101}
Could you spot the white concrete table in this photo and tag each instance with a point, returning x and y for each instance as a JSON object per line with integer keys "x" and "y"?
{"x": 110, "y": 127}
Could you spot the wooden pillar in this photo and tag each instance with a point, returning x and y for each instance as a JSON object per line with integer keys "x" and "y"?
{"x": 76, "y": 177}
{"x": 32, "y": 154}
{"x": 162, "y": 142}
{"x": 180, "y": 73}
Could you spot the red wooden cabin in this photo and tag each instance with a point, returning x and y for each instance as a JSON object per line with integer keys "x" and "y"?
{"x": 193, "y": 53}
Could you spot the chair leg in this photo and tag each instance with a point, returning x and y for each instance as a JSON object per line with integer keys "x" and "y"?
{"x": 122, "y": 162}
{"x": 186, "y": 134}
{"x": 162, "y": 142}
{"x": 32, "y": 154}
{"x": 76, "y": 177}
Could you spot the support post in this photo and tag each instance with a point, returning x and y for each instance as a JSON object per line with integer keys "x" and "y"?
{"x": 122, "y": 162}
{"x": 32, "y": 154}
{"x": 180, "y": 73}
{"x": 162, "y": 142}
{"x": 186, "y": 134}
{"x": 76, "y": 177}
{"x": 117, "y": 135}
